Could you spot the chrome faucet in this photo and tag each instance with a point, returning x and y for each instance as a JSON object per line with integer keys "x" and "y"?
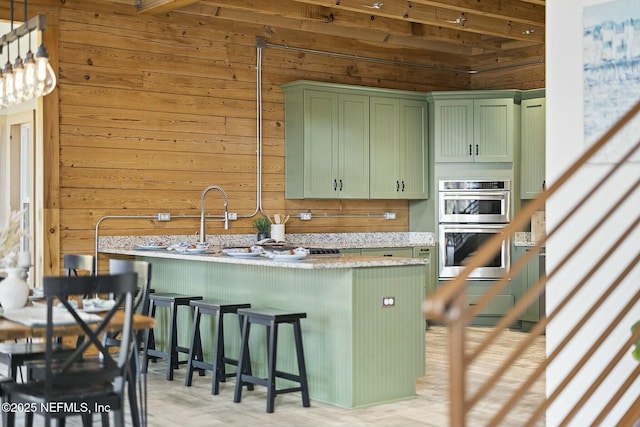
{"x": 203, "y": 235}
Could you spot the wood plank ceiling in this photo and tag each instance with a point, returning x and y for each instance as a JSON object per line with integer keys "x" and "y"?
{"x": 463, "y": 35}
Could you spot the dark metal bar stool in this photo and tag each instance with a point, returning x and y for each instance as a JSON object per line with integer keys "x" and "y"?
{"x": 171, "y": 301}
{"x": 218, "y": 309}
{"x": 271, "y": 318}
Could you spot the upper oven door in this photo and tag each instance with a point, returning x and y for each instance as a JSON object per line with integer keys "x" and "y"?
{"x": 474, "y": 207}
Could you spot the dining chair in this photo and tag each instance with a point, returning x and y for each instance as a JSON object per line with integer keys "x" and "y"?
{"x": 141, "y": 306}
{"x": 73, "y": 263}
{"x": 141, "y": 301}
{"x": 143, "y": 269}
{"x": 81, "y": 384}
{"x": 15, "y": 355}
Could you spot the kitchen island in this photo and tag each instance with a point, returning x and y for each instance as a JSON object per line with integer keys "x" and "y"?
{"x": 358, "y": 352}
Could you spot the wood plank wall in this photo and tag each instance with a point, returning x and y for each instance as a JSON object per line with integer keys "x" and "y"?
{"x": 153, "y": 109}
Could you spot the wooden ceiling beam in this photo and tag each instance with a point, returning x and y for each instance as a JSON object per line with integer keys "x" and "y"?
{"x": 370, "y": 42}
{"x": 452, "y": 33}
{"x": 346, "y": 23}
{"x": 442, "y": 17}
{"x": 517, "y": 11}
{"x": 339, "y": 28}
{"x": 154, "y": 7}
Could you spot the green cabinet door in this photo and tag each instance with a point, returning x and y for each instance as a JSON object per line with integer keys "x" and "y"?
{"x": 352, "y": 178}
{"x": 453, "y": 130}
{"x": 473, "y": 130}
{"x": 493, "y": 130}
{"x": 399, "y": 151}
{"x": 414, "y": 157}
{"x": 320, "y": 156}
{"x": 524, "y": 281}
{"x": 327, "y": 143}
{"x": 429, "y": 253}
{"x": 385, "y": 148}
{"x": 532, "y": 165}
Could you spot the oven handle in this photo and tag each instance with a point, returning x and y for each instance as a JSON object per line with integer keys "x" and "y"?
{"x": 462, "y": 195}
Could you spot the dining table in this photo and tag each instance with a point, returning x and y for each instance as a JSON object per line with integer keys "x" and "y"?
{"x": 136, "y": 384}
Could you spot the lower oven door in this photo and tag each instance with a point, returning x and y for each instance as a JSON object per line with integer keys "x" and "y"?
{"x": 459, "y": 242}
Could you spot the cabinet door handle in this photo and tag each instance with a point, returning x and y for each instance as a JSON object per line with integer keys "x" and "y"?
{"x": 544, "y": 184}
{"x": 470, "y": 152}
{"x": 340, "y": 185}
{"x": 403, "y": 186}
{"x": 476, "y": 149}
{"x": 335, "y": 185}
{"x": 397, "y": 186}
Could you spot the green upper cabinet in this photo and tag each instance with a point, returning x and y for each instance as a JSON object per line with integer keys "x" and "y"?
{"x": 327, "y": 149}
{"x": 532, "y": 165}
{"x": 399, "y": 151}
{"x": 320, "y": 162}
{"x": 354, "y": 142}
{"x": 477, "y": 126}
{"x": 352, "y": 178}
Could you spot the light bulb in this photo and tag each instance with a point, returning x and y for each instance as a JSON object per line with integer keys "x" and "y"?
{"x": 2, "y": 102}
{"x": 9, "y": 89}
{"x": 29, "y": 76}
{"x": 45, "y": 77}
{"x": 18, "y": 79}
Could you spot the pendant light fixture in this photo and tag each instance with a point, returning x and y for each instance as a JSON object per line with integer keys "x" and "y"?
{"x": 29, "y": 78}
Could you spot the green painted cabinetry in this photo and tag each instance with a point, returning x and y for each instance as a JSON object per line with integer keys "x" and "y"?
{"x": 427, "y": 252}
{"x": 532, "y": 164}
{"x": 524, "y": 281}
{"x": 399, "y": 155}
{"x": 328, "y": 144}
{"x": 354, "y": 142}
{"x": 357, "y": 353}
{"x": 474, "y": 126}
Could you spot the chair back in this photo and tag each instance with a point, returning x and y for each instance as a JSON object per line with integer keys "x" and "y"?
{"x": 143, "y": 268}
{"x": 77, "y": 368}
{"x": 74, "y": 263}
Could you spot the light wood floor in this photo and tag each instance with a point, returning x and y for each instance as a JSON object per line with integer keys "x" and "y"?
{"x": 172, "y": 404}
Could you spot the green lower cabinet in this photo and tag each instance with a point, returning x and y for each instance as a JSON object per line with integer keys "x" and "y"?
{"x": 500, "y": 305}
{"x": 524, "y": 281}
{"x": 497, "y": 307}
{"x": 427, "y": 252}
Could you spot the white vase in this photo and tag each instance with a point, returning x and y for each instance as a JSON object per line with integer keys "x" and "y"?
{"x": 14, "y": 290}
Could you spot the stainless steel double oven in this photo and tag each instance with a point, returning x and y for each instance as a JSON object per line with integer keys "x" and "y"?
{"x": 470, "y": 213}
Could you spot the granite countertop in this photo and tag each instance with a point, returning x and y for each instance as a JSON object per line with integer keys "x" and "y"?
{"x": 523, "y": 239}
{"x": 310, "y": 262}
{"x": 317, "y": 240}
{"x": 126, "y": 245}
